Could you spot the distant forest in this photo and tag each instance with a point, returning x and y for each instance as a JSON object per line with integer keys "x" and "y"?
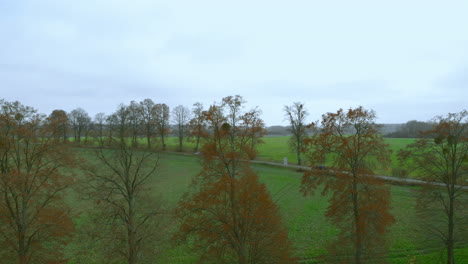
{"x": 410, "y": 129}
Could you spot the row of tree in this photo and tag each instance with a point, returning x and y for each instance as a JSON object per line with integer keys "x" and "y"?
{"x": 154, "y": 120}
{"x": 144, "y": 118}
{"x": 227, "y": 214}
{"x": 126, "y": 221}
{"x": 37, "y": 172}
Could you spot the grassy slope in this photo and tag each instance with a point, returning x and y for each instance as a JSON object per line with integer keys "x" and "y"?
{"x": 304, "y": 216}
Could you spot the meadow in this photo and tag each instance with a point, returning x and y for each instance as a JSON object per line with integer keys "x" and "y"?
{"x": 304, "y": 216}
{"x": 276, "y": 148}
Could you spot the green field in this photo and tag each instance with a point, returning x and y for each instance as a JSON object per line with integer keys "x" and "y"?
{"x": 304, "y": 216}
{"x": 275, "y": 149}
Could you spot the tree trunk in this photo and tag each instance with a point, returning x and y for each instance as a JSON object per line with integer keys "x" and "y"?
{"x": 109, "y": 140}
{"x": 64, "y": 133}
{"x": 196, "y": 144}
{"x": 242, "y": 255}
{"x": 22, "y": 254}
{"x": 23, "y": 259}
{"x": 132, "y": 243}
{"x": 180, "y": 143}
{"x": 79, "y": 135}
{"x": 299, "y": 160}
{"x": 298, "y": 149}
{"x": 450, "y": 238}
{"x": 241, "y": 250}
{"x": 358, "y": 242}
{"x": 148, "y": 135}
{"x": 100, "y": 135}
{"x": 181, "y": 137}
{"x": 22, "y": 250}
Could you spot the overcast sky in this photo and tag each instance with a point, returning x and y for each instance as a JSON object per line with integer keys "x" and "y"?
{"x": 405, "y": 59}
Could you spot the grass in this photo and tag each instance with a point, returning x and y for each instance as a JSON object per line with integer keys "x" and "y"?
{"x": 304, "y": 216}
{"x": 275, "y": 149}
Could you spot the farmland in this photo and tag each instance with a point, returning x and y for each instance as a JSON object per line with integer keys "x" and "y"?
{"x": 233, "y": 132}
{"x": 107, "y": 196}
{"x": 275, "y": 149}
{"x": 303, "y": 216}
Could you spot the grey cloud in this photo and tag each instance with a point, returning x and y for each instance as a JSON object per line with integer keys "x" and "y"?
{"x": 100, "y": 53}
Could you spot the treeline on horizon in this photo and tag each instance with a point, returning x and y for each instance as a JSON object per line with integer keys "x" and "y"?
{"x": 162, "y": 122}
{"x": 226, "y": 215}
{"x": 410, "y": 129}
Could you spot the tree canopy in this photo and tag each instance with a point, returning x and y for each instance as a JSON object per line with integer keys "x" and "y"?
{"x": 349, "y": 144}
{"x": 229, "y": 215}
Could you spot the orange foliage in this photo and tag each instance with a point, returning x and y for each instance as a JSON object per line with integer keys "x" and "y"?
{"x": 441, "y": 156}
{"x": 235, "y": 219}
{"x": 197, "y": 124}
{"x": 57, "y": 121}
{"x": 35, "y": 223}
{"x": 229, "y": 215}
{"x": 360, "y": 203}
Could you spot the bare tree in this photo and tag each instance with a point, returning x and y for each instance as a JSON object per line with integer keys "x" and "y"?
{"x": 87, "y": 127}
{"x": 118, "y": 184}
{"x": 79, "y": 119}
{"x": 148, "y": 114}
{"x": 135, "y": 121}
{"x": 100, "y": 123}
{"x": 296, "y": 115}
{"x": 162, "y": 122}
{"x": 181, "y": 116}
{"x": 197, "y": 123}
{"x": 112, "y": 124}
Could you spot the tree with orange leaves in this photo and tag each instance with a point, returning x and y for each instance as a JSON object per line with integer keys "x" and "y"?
{"x": 440, "y": 156}
{"x": 350, "y": 144}
{"x": 229, "y": 215}
{"x": 35, "y": 223}
{"x": 256, "y": 130}
{"x": 58, "y": 120}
